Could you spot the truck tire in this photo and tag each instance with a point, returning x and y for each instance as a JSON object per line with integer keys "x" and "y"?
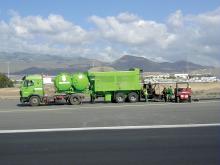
{"x": 119, "y": 98}
{"x": 34, "y": 101}
{"x": 132, "y": 97}
{"x": 75, "y": 100}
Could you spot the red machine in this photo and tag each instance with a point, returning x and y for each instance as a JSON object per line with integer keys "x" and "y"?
{"x": 183, "y": 94}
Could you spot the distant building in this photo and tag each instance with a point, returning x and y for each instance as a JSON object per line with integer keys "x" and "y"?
{"x": 182, "y": 76}
{"x": 178, "y": 77}
{"x": 203, "y": 78}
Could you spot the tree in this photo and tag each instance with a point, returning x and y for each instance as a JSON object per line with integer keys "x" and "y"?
{"x": 5, "y": 81}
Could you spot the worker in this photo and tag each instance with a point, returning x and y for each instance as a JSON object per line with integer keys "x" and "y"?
{"x": 150, "y": 88}
{"x": 170, "y": 93}
{"x": 164, "y": 92}
{"x": 92, "y": 98}
{"x": 146, "y": 94}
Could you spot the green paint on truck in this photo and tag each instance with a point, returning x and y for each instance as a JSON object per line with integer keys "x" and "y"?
{"x": 114, "y": 86}
{"x": 115, "y": 81}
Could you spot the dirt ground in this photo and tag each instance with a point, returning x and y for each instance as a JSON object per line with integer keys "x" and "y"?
{"x": 199, "y": 90}
{"x": 9, "y": 93}
{"x": 206, "y": 89}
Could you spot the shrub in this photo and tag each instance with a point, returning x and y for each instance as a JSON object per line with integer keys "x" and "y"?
{"x": 5, "y": 81}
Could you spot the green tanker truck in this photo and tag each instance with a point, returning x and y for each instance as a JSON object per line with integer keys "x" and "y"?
{"x": 113, "y": 86}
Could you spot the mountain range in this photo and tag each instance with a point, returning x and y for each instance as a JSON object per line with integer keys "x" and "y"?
{"x": 25, "y": 63}
{"x": 147, "y": 65}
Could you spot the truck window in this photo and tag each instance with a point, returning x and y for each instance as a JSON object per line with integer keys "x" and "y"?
{"x": 28, "y": 83}
{"x": 25, "y": 83}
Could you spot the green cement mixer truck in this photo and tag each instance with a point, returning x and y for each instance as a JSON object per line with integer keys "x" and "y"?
{"x": 113, "y": 86}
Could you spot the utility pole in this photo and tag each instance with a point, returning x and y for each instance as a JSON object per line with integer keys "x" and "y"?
{"x": 8, "y": 65}
{"x": 93, "y": 63}
{"x": 187, "y": 64}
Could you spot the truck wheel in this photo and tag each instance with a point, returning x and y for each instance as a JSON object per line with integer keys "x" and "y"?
{"x": 34, "y": 101}
{"x": 132, "y": 97}
{"x": 75, "y": 100}
{"x": 120, "y": 98}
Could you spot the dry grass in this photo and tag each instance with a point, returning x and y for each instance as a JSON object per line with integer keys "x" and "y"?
{"x": 7, "y": 93}
{"x": 206, "y": 89}
{"x": 205, "y": 86}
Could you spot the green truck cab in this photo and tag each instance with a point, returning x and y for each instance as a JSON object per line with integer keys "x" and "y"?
{"x": 31, "y": 85}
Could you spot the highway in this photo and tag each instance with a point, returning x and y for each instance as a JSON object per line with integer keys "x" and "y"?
{"x": 151, "y": 146}
{"x": 13, "y": 116}
{"x": 163, "y": 134}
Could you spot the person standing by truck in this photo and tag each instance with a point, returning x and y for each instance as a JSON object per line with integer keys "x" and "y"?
{"x": 164, "y": 92}
{"x": 146, "y": 94}
{"x": 170, "y": 93}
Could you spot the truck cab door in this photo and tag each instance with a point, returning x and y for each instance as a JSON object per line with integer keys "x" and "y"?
{"x": 27, "y": 88}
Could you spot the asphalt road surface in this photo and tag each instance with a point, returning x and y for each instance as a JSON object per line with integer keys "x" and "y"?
{"x": 165, "y": 145}
{"x": 13, "y": 116}
{"x": 182, "y": 146}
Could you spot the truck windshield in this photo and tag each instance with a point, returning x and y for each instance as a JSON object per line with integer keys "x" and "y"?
{"x": 28, "y": 83}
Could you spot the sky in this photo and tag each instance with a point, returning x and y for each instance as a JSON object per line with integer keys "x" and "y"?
{"x": 160, "y": 30}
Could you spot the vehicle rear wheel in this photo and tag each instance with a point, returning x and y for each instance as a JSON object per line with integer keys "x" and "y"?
{"x": 132, "y": 97}
{"x": 75, "y": 100}
{"x": 120, "y": 97}
{"x": 34, "y": 101}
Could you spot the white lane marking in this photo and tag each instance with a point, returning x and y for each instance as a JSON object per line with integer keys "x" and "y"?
{"x": 31, "y": 109}
{"x": 109, "y": 128}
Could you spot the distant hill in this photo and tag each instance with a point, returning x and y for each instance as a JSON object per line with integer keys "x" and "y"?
{"x": 37, "y": 70}
{"x": 25, "y": 63}
{"x": 128, "y": 61}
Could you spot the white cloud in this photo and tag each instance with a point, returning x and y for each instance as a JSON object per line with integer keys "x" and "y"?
{"x": 180, "y": 37}
{"x": 53, "y": 29}
{"x": 176, "y": 19}
{"x": 198, "y": 38}
{"x": 127, "y": 17}
{"x": 129, "y": 29}
{"x": 37, "y": 34}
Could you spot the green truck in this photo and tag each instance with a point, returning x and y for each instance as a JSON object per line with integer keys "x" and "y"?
{"x": 113, "y": 86}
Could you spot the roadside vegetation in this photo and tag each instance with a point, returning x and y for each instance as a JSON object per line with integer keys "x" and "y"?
{"x": 5, "y": 82}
